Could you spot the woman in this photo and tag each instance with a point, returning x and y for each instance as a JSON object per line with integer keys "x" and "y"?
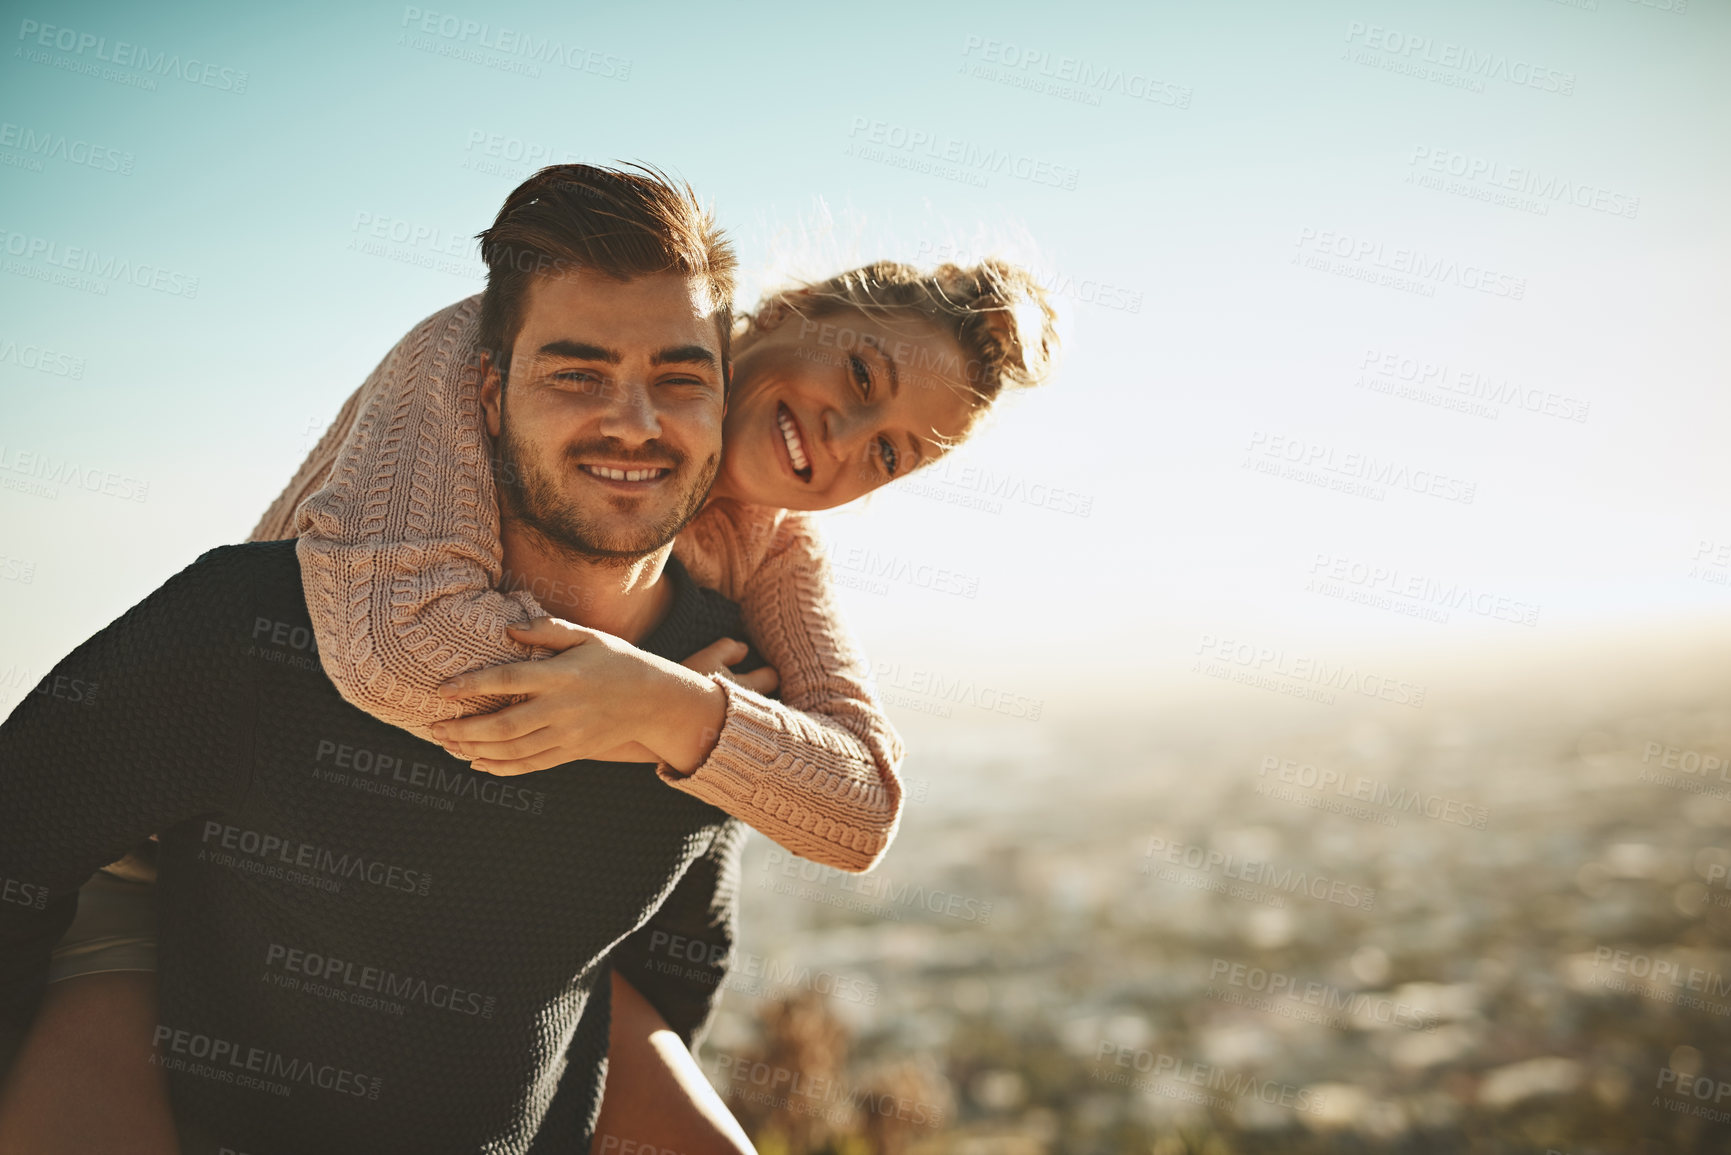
{"x": 837, "y": 388}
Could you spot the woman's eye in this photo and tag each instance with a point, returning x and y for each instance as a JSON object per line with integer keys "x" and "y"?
{"x": 861, "y": 375}
{"x": 887, "y": 451}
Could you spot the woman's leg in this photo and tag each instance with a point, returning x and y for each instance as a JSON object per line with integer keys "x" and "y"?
{"x": 656, "y": 1098}
{"x": 84, "y": 1083}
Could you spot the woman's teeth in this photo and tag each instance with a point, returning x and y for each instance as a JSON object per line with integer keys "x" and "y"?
{"x": 623, "y": 474}
{"x": 790, "y": 434}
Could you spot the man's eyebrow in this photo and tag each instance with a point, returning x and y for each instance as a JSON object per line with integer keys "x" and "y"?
{"x": 580, "y": 351}
{"x": 686, "y": 355}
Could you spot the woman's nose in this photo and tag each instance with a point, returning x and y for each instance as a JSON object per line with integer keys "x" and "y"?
{"x": 843, "y": 428}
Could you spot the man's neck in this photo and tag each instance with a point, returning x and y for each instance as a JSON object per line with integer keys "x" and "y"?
{"x": 626, "y": 598}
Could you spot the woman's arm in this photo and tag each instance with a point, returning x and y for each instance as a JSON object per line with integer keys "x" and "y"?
{"x": 399, "y": 548}
{"x": 400, "y": 559}
{"x": 816, "y": 771}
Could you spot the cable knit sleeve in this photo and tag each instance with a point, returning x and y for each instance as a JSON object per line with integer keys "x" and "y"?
{"x": 400, "y": 559}
{"x": 399, "y": 550}
{"x": 816, "y": 771}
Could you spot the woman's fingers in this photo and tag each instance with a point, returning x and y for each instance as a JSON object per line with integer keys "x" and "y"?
{"x": 540, "y": 742}
{"x": 764, "y": 679}
{"x": 512, "y": 722}
{"x": 553, "y": 633}
{"x": 510, "y": 768}
{"x": 515, "y": 678}
{"x": 716, "y": 656}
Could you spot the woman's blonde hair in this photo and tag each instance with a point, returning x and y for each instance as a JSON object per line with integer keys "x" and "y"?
{"x": 996, "y": 311}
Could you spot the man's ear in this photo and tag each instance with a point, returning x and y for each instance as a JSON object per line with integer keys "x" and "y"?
{"x": 492, "y": 389}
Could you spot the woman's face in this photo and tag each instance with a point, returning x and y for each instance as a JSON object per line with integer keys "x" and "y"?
{"x": 824, "y": 410}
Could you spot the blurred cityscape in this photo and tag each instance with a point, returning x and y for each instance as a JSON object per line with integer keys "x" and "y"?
{"x": 1498, "y": 923}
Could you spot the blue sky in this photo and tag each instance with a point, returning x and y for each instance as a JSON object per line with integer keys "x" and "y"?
{"x": 1327, "y": 270}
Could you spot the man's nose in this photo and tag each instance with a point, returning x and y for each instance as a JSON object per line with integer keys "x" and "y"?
{"x": 631, "y": 414}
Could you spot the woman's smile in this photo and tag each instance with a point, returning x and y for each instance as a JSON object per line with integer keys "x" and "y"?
{"x": 790, "y": 436}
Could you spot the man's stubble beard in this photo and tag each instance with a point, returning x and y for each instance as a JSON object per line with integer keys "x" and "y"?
{"x": 535, "y": 500}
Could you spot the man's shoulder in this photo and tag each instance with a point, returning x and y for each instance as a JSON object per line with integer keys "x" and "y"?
{"x": 249, "y": 561}
{"x": 261, "y": 575}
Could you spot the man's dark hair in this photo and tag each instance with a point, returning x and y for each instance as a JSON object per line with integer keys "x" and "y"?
{"x": 623, "y": 223}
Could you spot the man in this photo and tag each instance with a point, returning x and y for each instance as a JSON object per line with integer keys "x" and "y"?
{"x": 341, "y": 970}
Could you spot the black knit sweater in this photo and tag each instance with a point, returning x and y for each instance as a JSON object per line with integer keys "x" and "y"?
{"x": 364, "y": 945}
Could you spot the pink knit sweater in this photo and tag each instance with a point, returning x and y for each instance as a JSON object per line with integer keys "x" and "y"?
{"x": 400, "y": 557}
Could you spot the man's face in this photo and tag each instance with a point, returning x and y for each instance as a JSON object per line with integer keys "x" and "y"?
{"x": 609, "y": 429}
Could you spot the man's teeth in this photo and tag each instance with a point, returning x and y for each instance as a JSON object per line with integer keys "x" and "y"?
{"x": 623, "y": 474}
{"x": 790, "y": 435}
